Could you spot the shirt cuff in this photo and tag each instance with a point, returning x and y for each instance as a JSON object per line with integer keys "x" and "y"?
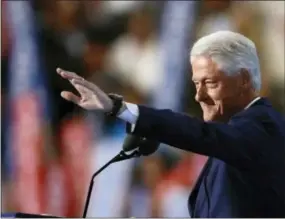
{"x": 130, "y": 114}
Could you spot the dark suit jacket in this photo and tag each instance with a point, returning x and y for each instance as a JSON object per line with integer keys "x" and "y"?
{"x": 245, "y": 174}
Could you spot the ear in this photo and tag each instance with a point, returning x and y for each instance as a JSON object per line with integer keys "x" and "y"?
{"x": 245, "y": 78}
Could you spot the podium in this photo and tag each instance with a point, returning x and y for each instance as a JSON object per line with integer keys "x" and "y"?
{"x": 25, "y": 215}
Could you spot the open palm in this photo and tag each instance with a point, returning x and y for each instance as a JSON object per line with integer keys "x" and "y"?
{"x": 91, "y": 97}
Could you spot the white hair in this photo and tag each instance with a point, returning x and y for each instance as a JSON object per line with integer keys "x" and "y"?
{"x": 231, "y": 52}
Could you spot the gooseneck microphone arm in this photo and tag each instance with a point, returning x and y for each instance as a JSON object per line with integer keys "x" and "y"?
{"x": 119, "y": 157}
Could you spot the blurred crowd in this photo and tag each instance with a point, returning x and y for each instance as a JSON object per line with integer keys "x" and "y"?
{"x": 115, "y": 44}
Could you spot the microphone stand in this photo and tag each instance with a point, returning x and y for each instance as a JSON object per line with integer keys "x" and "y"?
{"x": 119, "y": 157}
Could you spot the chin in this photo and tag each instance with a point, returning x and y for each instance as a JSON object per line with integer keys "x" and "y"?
{"x": 211, "y": 117}
{"x": 208, "y": 120}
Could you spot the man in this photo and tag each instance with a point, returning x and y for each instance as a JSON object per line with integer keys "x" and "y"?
{"x": 241, "y": 132}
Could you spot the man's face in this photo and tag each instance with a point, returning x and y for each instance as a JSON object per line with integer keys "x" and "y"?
{"x": 218, "y": 94}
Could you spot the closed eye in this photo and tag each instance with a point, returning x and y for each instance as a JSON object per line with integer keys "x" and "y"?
{"x": 211, "y": 83}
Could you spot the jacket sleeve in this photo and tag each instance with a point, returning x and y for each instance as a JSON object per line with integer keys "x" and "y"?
{"x": 238, "y": 143}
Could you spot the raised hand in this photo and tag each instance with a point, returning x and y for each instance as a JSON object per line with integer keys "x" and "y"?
{"x": 91, "y": 97}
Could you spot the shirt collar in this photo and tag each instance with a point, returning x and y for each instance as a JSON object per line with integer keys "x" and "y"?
{"x": 252, "y": 102}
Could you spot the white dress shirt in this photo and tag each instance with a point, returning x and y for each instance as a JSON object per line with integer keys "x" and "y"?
{"x": 131, "y": 113}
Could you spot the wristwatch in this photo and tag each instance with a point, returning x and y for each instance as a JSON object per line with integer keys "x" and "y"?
{"x": 118, "y": 102}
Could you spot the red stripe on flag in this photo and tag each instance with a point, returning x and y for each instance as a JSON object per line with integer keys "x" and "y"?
{"x": 76, "y": 140}
{"x": 27, "y": 146}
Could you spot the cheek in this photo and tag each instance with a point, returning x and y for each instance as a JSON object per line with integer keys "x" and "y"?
{"x": 223, "y": 93}
{"x": 223, "y": 99}
{"x": 216, "y": 94}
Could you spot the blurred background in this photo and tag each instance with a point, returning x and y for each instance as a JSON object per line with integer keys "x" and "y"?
{"x": 135, "y": 48}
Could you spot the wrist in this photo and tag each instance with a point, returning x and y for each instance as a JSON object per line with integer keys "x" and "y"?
{"x": 118, "y": 105}
{"x": 123, "y": 108}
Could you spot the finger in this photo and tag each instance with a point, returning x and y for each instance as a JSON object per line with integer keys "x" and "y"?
{"x": 69, "y": 96}
{"x": 86, "y": 84}
{"x": 68, "y": 75}
{"x": 82, "y": 90}
{"x": 100, "y": 94}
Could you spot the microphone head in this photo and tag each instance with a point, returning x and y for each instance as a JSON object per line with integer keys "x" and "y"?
{"x": 131, "y": 142}
{"x": 147, "y": 147}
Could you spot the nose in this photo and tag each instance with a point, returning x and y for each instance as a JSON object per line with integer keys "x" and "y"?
{"x": 201, "y": 93}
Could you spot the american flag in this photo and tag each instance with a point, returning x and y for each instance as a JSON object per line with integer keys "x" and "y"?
{"x": 28, "y": 109}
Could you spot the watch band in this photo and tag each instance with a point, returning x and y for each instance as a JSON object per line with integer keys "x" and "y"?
{"x": 117, "y": 104}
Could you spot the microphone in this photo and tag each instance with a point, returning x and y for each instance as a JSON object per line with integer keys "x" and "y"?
{"x": 119, "y": 157}
{"x": 131, "y": 142}
{"x": 145, "y": 146}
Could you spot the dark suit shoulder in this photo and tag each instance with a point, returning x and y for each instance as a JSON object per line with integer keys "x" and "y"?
{"x": 270, "y": 124}
{"x": 262, "y": 112}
